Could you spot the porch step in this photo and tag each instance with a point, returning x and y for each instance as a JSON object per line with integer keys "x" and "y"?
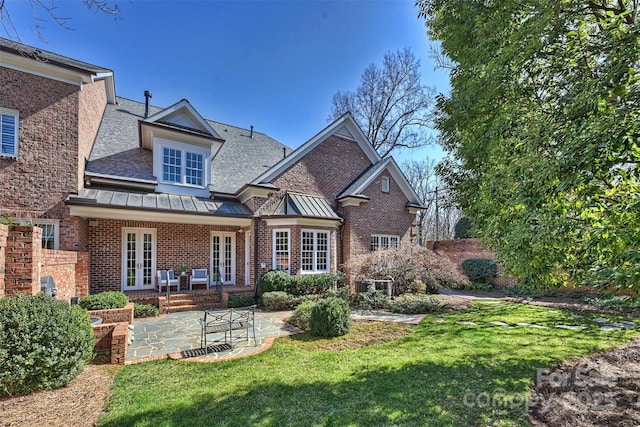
{"x": 193, "y": 301}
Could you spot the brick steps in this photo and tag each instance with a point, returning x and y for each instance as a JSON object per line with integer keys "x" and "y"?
{"x": 193, "y": 301}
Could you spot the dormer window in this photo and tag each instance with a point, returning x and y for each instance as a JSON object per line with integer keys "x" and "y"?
{"x": 183, "y": 166}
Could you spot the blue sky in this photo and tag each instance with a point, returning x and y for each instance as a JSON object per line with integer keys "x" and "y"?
{"x": 271, "y": 64}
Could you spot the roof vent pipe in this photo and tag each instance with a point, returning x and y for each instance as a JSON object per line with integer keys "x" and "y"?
{"x": 284, "y": 153}
{"x": 251, "y": 136}
{"x": 147, "y": 96}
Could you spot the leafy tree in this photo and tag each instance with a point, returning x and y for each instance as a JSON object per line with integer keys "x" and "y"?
{"x": 391, "y": 105}
{"x": 542, "y": 129}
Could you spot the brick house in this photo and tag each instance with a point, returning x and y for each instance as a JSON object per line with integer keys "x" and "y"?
{"x": 142, "y": 188}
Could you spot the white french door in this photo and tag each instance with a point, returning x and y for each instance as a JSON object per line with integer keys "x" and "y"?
{"x": 223, "y": 257}
{"x": 138, "y": 258}
{"x": 247, "y": 258}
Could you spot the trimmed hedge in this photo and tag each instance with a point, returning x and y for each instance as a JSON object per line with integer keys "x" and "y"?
{"x": 104, "y": 301}
{"x": 301, "y": 315}
{"x": 370, "y": 300}
{"x": 44, "y": 343}
{"x": 302, "y": 284}
{"x": 416, "y": 304}
{"x": 479, "y": 269}
{"x": 240, "y": 301}
{"x": 145, "y": 310}
{"x": 330, "y": 317}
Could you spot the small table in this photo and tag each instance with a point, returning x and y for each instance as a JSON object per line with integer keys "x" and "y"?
{"x": 184, "y": 280}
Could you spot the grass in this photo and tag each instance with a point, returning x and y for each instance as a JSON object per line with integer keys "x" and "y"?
{"x": 444, "y": 373}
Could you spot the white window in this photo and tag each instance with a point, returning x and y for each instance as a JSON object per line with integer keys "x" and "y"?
{"x": 281, "y": 245}
{"x": 314, "y": 251}
{"x": 384, "y": 241}
{"x": 8, "y": 132}
{"x": 50, "y": 232}
{"x": 385, "y": 184}
{"x": 183, "y": 166}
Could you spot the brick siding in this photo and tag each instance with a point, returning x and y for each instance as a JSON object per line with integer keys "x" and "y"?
{"x": 4, "y": 234}
{"x": 176, "y": 245}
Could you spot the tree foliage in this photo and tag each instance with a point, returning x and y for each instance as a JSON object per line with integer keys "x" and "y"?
{"x": 391, "y": 104}
{"x": 542, "y": 129}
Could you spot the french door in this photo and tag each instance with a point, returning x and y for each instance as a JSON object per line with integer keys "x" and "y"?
{"x": 223, "y": 257}
{"x": 138, "y": 258}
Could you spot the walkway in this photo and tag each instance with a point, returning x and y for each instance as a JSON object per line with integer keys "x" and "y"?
{"x": 177, "y": 335}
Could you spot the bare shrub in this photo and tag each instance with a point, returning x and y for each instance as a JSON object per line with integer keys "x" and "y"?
{"x": 405, "y": 265}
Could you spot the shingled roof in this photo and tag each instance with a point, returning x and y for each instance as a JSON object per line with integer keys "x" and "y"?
{"x": 116, "y": 151}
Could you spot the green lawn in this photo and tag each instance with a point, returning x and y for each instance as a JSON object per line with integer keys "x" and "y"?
{"x": 441, "y": 374}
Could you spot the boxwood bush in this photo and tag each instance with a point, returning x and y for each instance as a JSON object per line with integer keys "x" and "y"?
{"x": 274, "y": 280}
{"x": 104, "y": 301}
{"x": 301, "y": 315}
{"x": 370, "y": 300}
{"x": 330, "y": 317}
{"x": 240, "y": 301}
{"x": 301, "y": 284}
{"x": 279, "y": 301}
{"x": 44, "y": 343}
{"x": 479, "y": 269}
{"x": 145, "y": 310}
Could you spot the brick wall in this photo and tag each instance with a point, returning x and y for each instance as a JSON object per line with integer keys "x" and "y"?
{"x": 460, "y": 249}
{"x": 326, "y": 170}
{"x": 111, "y": 343}
{"x": 4, "y": 234}
{"x": 53, "y": 117}
{"x": 115, "y": 315}
{"x": 176, "y": 245}
{"x": 383, "y": 213}
{"x": 23, "y": 262}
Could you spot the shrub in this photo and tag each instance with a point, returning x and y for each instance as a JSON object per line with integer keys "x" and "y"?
{"x": 302, "y": 314}
{"x": 479, "y": 269}
{"x": 370, "y": 300}
{"x": 240, "y": 301}
{"x": 305, "y": 284}
{"x": 272, "y": 281}
{"x": 342, "y": 293}
{"x": 622, "y": 304}
{"x": 279, "y": 301}
{"x": 330, "y": 317}
{"x": 484, "y": 287}
{"x": 44, "y": 343}
{"x": 104, "y": 301}
{"x": 462, "y": 229}
{"x": 405, "y": 265}
{"x": 416, "y": 304}
{"x": 145, "y": 310}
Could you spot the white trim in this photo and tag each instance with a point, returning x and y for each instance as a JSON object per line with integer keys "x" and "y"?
{"x": 302, "y": 221}
{"x": 247, "y": 258}
{"x": 138, "y": 231}
{"x": 315, "y": 251}
{"x": 252, "y": 191}
{"x": 388, "y": 236}
{"x": 413, "y": 210}
{"x": 56, "y": 229}
{"x": 16, "y": 115}
{"x": 184, "y": 104}
{"x": 273, "y": 247}
{"x": 147, "y": 215}
{"x": 222, "y": 235}
{"x": 47, "y": 70}
{"x": 346, "y": 120}
{"x": 159, "y": 145}
{"x": 353, "y": 200}
{"x": 385, "y": 185}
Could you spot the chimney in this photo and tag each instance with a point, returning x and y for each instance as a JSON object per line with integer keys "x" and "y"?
{"x": 251, "y": 136}
{"x": 147, "y": 96}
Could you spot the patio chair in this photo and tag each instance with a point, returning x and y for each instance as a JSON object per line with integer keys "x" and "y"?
{"x": 199, "y": 276}
{"x": 166, "y": 278}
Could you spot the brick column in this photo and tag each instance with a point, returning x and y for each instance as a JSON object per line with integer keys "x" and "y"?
{"x": 23, "y": 258}
{"x": 4, "y": 233}
{"x": 82, "y": 274}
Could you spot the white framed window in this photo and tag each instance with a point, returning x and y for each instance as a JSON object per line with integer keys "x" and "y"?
{"x": 281, "y": 250}
{"x": 50, "y": 232}
{"x": 384, "y": 184}
{"x": 384, "y": 241}
{"x": 182, "y": 164}
{"x": 8, "y": 132}
{"x": 314, "y": 247}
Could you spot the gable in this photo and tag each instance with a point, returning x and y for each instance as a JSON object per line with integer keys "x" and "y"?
{"x": 344, "y": 127}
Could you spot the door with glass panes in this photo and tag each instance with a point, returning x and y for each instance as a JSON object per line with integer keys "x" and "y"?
{"x": 138, "y": 258}
{"x": 223, "y": 258}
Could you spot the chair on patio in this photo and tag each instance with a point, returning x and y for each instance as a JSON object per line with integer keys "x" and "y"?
{"x": 199, "y": 276}
{"x": 227, "y": 321}
{"x": 166, "y": 278}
